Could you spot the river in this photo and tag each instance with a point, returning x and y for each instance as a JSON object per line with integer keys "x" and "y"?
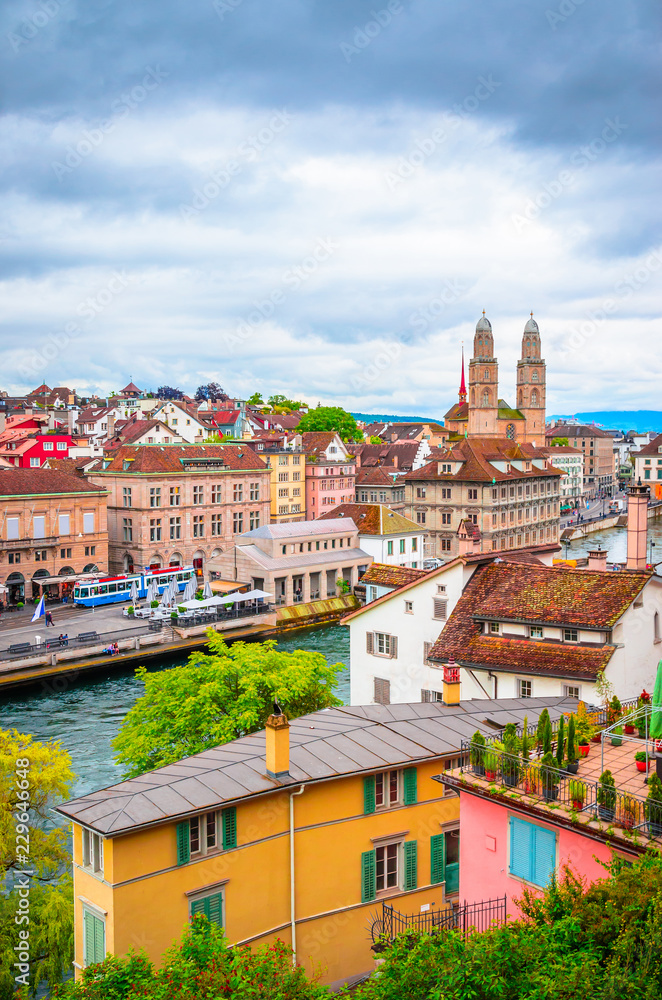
{"x": 615, "y": 541}
{"x": 87, "y": 716}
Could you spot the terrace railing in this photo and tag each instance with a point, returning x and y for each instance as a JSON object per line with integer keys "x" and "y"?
{"x": 590, "y": 799}
{"x": 469, "y": 918}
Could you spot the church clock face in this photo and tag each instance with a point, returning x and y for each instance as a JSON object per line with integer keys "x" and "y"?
{"x": 510, "y": 432}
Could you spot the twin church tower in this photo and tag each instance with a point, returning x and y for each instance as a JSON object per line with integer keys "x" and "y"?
{"x": 480, "y": 412}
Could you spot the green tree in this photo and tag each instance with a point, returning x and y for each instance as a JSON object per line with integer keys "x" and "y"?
{"x": 201, "y": 966}
{"x": 560, "y": 442}
{"x": 255, "y": 400}
{"x": 220, "y": 696}
{"x": 331, "y": 418}
{"x": 281, "y": 404}
{"x": 38, "y": 774}
{"x": 576, "y": 942}
{"x": 375, "y": 440}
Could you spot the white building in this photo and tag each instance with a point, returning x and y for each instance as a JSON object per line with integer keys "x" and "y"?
{"x": 387, "y": 536}
{"x": 570, "y": 461}
{"x": 182, "y": 419}
{"x": 648, "y": 464}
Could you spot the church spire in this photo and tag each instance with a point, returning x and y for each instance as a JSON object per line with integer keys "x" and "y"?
{"x": 463, "y": 388}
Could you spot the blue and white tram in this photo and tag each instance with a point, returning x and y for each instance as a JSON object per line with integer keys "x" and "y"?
{"x": 112, "y": 589}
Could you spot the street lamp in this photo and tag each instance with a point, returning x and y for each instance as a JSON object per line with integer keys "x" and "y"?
{"x": 652, "y": 546}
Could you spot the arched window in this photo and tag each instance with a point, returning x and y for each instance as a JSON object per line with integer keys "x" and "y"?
{"x": 473, "y": 397}
{"x": 486, "y": 374}
{"x": 534, "y": 376}
{"x": 534, "y": 397}
{"x": 486, "y": 397}
{"x": 521, "y": 398}
{"x": 510, "y": 432}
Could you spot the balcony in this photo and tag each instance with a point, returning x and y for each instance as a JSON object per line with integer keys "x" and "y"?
{"x": 11, "y": 544}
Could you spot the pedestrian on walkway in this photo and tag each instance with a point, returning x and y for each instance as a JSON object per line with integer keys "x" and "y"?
{"x": 49, "y": 619}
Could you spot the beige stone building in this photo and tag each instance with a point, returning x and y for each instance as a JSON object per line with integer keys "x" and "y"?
{"x": 297, "y": 562}
{"x": 597, "y": 447}
{"x": 509, "y": 490}
{"x": 52, "y": 528}
{"x": 180, "y": 505}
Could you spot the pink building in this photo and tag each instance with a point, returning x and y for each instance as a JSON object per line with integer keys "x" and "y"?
{"x": 516, "y": 831}
{"x": 330, "y": 471}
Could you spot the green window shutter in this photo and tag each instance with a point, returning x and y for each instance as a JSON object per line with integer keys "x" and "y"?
{"x": 229, "y": 818}
{"x": 88, "y": 930}
{"x": 215, "y": 909}
{"x": 99, "y": 940}
{"x": 437, "y": 858}
{"x": 409, "y": 781}
{"x": 198, "y": 906}
{"x": 368, "y": 876}
{"x": 183, "y": 843}
{"x": 411, "y": 864}
{"x": 369, "y": 794}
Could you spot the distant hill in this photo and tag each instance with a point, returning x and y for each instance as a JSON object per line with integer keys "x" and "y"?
{"x": 371, "y": 418}
{"x": 620, "y": 420}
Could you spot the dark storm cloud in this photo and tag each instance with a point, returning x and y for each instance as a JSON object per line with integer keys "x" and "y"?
{"x": 562, "y": 65}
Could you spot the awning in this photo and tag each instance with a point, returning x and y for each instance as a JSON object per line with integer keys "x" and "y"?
{"x": 83, "y": 577}
{"x": 254, "y": 595}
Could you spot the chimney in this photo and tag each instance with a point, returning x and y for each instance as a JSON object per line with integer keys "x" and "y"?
{"x": 451, "y": 690}
{"x": 597, "y": 559}
{"x": 278, "y": 745}
{"x": 3, "y": 421}
{"x": 637, "y": 526}
{"x": 110, "y": 425}
{"x": 395, "y": 461}
{"x": 394, "y": 436}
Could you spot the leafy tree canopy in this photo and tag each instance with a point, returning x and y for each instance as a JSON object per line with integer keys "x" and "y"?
{"x": 331, "y": 418}
{"x": 560, "y": 442}
{"x": 201, "y": 966}
{"x": 375, "y": 440}
{"x": 220, "y": 696}
{"x": 43, "y": 771}
{"x": 281, "y": 404}
{"x": 212, "y": 391}
{"x": 255, "y": 400}
{"x": 168, "y": 392}
{"x": 577, "y": 942}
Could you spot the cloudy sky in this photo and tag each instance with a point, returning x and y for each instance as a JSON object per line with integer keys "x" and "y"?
{"x": 320, "y": 197}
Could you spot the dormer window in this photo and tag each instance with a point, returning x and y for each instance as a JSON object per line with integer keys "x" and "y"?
{"x": 494, "y": 628}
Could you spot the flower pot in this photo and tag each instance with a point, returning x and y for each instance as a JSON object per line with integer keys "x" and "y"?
{"x": 584, "y": 749}
{"x": 616, "y": 741}
{"x": 606, "y": 814}
{"x": 596, "y": 737}
{"x": 509, "y": 779}
{"x": 629, "y": 730}
{"x": 578, "y": 804}
{"x": 642, "y": 765}
{"x": 550, "y": 792}
{"x": 572, "y": 766}
{"x": 628, "y": 821}
{"x": 479, "y": 769}
{"x": 490, "y": 775}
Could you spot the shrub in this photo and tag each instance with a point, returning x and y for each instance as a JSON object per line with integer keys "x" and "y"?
{"x": 540, "y": 728}
{"x": 571, "y": 749}
{"x": 154, "y": 604}
{"x": 653, "y": 803}
{"x": 607, "y": 791}
{"x": 640, "y": 756}
{"x": 577, "y": 790}
{"x": 130, "y": 610}
{"x": 478, "y": 750}
{"x": 560, "y": 743}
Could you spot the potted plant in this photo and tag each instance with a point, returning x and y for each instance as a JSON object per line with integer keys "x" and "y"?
{"x": 549, "y": 777}
{"x": 617, "y": 736}
{"x": 491, "y": 764}
{"x": 541, "y": 729}
{"x": 653, "y": 806}
{"x": 154, "y": 604}
{"x": 629, "y": 729}
{"x": 130, "y": 610}
{"x": 532, "y": 779}
{"x": 577, "y": 791}
{"x": 613, "y": 710}
{"x": 560, "y": 743}
{"x": 173, "y": 616}
{"x": 607, "y": 796}
{"x": 596, "y": 735}
{"x": 572, "y": 756}
{"x": 629, "y": 811}
{"x": 641, "y": 760}
{"x": 478, "y": 754}
{"x": 510, "y": 763}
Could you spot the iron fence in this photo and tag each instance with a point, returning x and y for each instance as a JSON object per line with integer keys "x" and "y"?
{"x": 595, "y": 800}
{"x": 469, "y": 918}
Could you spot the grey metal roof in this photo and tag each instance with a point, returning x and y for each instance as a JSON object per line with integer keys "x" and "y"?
{"x": 292, "y": 529}
{"x": 323, "y": 745}
{"x": 334, "y": 557}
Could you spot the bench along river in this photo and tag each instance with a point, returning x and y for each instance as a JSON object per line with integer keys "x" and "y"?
{"x": 87, "y": 715}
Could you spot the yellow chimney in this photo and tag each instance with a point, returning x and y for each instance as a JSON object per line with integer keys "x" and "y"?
{"x": 278, "y": 746}
{"x": 451, "y": 683}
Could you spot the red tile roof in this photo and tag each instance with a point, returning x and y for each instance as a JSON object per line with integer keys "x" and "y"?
{"x": 316, "y": 442}
{"x": 391, "y": 576}
{"x": 399, "y": 455}
{"x": 156, "y": 458}
{"x": 477, "y": 456}
{"x": 536, "y": 594}
{"x": 652, "y": 448}
{"x": 376, "y": 476}
{"x": 33, "y": 482}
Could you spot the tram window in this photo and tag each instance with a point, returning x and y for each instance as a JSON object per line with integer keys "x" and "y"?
{"x": 112, "y": 588}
